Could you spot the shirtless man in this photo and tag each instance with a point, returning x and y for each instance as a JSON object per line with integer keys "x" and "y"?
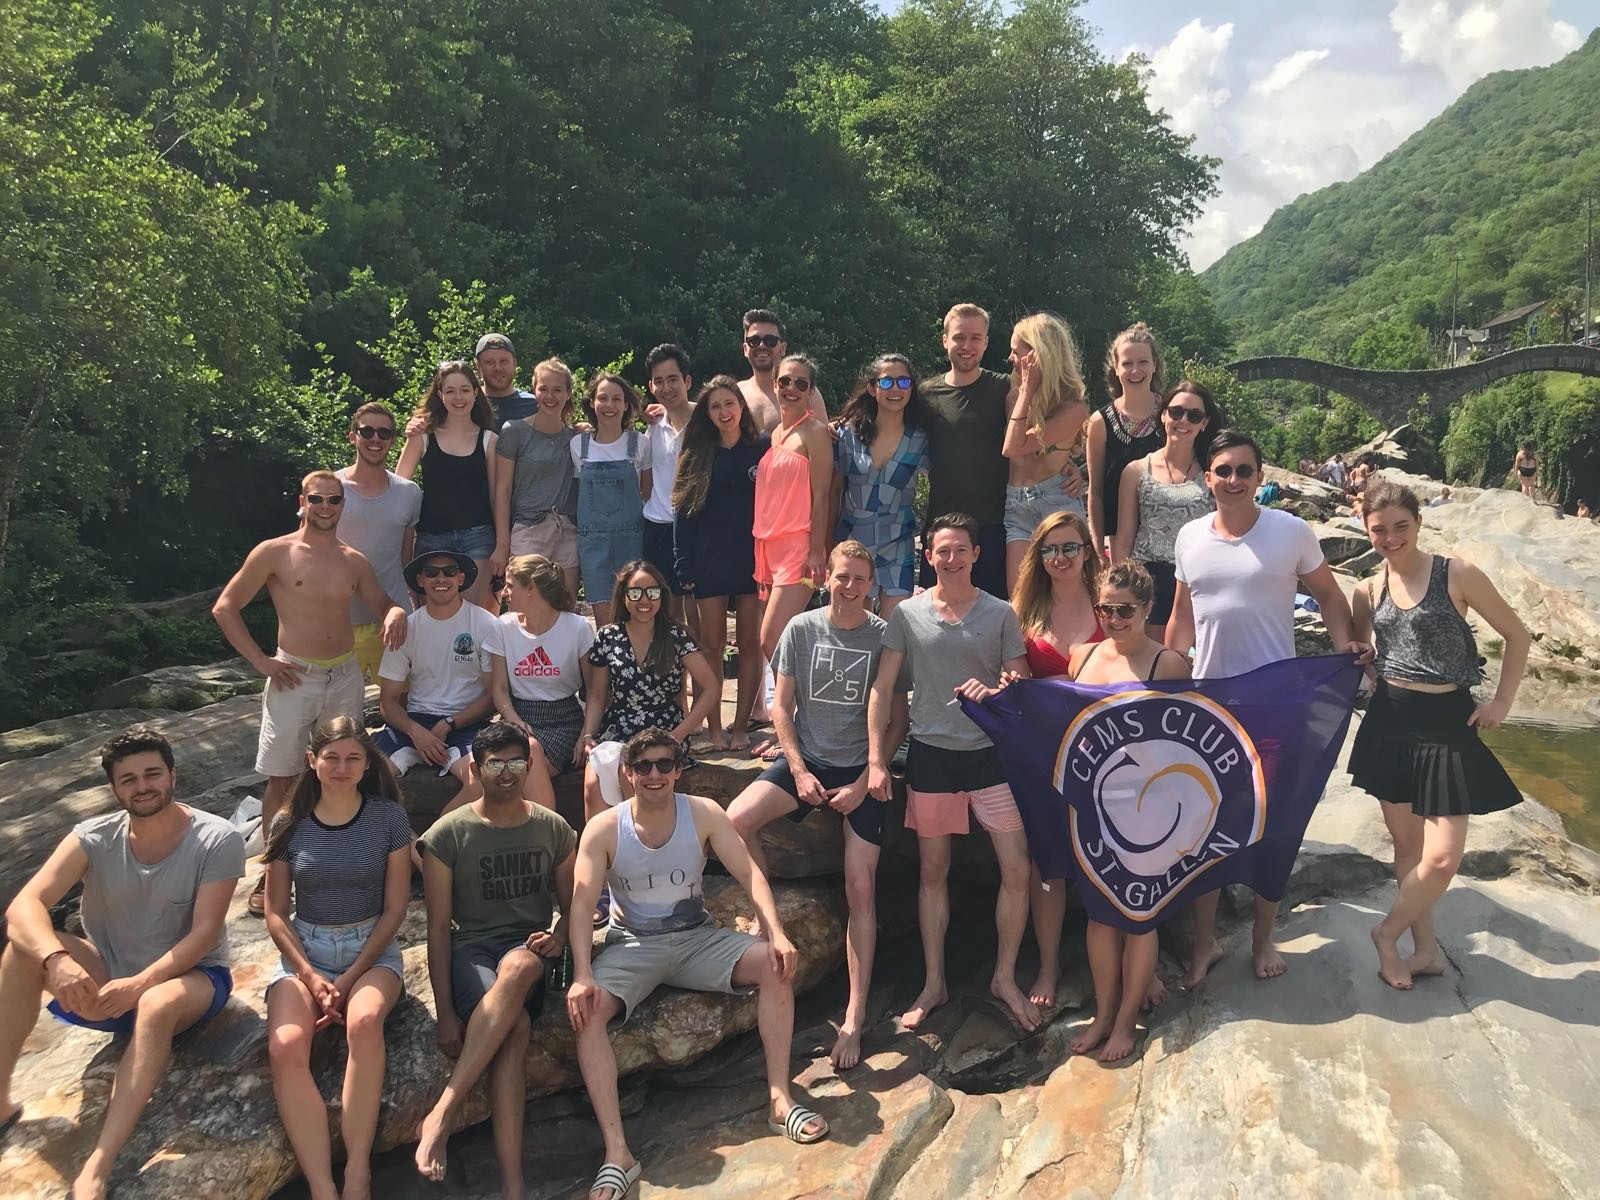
{"x": 311, "y": 577}
{"x": 764, "y": 348}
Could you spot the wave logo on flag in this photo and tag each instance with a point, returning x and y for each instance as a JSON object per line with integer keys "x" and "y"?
{"x": 1157, "y": 768}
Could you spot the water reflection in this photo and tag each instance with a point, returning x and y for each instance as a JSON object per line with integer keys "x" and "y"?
{"x": 1558, "y": 765}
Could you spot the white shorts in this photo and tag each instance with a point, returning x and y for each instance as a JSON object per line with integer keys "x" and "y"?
{"x": 288, "y": 715}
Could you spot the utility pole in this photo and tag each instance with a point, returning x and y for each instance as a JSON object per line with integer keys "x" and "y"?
{"x": 1588, "y": 258}
{"x": 1455, "y": 294}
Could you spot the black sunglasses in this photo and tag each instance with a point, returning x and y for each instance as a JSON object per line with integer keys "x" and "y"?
{"x": 768, "y": 340}
{"x": 1243, "y": 471}
{"x": 642, "y": 593}
{"x": 449, "y": 572}
{"x": 331, "y": 501}
{"x": 889, "y": 383}
{"x": 654, "y": 766}
{"x": 1122, "y": 612}
{"x": 1066, "y": 549}
{"x": 798, "y": 382}
{"x": 367, "y": 432}
{"x": 1180, "y": 412}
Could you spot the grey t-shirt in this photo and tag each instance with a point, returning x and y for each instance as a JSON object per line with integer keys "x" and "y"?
{"x": 942, "y": 655}
{"x": 832, "y": 669}
{"x": 543, "y": 480}
{"x": 135, "y": 912}
{"x": 377, "y": 526}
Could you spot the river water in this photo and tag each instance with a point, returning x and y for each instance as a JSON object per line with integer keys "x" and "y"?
{"x": 1558, "y": 764}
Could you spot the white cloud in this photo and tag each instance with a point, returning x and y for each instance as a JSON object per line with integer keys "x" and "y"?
{"x": 1287, "y": 70}
{"x": 1467, "y": 39}
{"x": 1183, "y": 71}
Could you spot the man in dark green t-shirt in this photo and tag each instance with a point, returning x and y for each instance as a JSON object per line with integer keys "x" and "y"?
{"x": 966, "y": 470}
{"x": 494, "y": 872}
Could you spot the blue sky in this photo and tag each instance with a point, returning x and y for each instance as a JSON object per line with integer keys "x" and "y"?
{"x": 1294, "y": 96}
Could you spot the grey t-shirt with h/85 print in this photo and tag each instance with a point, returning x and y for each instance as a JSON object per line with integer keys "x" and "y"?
{"x": 832, "y": 669}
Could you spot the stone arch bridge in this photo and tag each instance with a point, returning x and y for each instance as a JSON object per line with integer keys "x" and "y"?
{"x": 1391, "y": 395}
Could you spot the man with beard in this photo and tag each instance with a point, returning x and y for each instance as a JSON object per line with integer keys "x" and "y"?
{"x": 157, "y": 878}
{"x": 764, "y": 348}
{"x": 497, "y": 367}
{"x": 311, "y": 577}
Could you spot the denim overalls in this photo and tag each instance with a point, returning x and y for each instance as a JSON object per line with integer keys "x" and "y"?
{"x": 610, "y": 518}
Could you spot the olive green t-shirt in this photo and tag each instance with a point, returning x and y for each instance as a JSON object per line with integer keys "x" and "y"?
{"x": 504, "y": 876}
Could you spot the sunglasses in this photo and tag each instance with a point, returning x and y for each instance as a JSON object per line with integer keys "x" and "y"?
{"x": 1181, "y": 412}
{"x": 889, "y": 383}
{"x": 331, "y": 501}
{"x": 654, "y": 766}
{"x": 644, "y": 593}
{"x": 1243, "y": 471}
{"x": 1062, "y": 549}
{"x": 449, "y": 572}
{"x": 368, "y": 432}
{"x": 798, "y": 382}
{"x": 1122, "y": 612}
{"x": 493, "y": 768}
{"x": 759, "y": 340}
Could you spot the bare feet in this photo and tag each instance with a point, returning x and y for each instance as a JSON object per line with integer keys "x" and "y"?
{"x": 432, "y": 1137}
{"x": 923, "y": 1006}
{"x": 1391, "y": 967}
{"x": 1205, "y": 957}
{"x": 1023, "y": 1011}
{"x": 1155, "y": 995}
{"x": 357, "y": 1182}
{"x": 1091, "y": 1037}
{"x": 846, "y": 1051}
{"x": 738, "y": 739}
{"x": 1119, "y": 1045}
{"x": 1431, "y": 963}
{"x": 768, "y": 751}
{"x": 1043, "y": 991}
{"x": 717, "y": 740}
{"x": 1268, "y": 962}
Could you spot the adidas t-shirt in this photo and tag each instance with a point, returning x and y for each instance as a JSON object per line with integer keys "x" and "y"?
{"x": 444, "y": 660}
{"x": 542, "y": 666}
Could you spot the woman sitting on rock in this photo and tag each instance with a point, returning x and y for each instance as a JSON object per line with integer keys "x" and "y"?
{"x": 1418, "y": 749}
{"x": 343, "y": 852}
{"x": 1123, "y": 965}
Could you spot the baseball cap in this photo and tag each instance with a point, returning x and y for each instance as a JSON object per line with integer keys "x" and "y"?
{"x": 494, "y": 341}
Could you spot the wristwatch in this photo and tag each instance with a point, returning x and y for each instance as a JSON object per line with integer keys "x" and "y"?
{"x": 451, "y": 721}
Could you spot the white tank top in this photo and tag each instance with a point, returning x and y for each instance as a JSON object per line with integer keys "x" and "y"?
{"x": 657, "y": 890}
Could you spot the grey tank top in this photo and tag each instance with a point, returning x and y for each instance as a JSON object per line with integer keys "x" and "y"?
{"x": 1165, "y": 508}
{"x": 1429, "y": 642}
{"x": 657, "y": 890}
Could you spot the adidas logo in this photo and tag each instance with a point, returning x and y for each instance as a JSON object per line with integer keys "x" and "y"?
{"x": 536, "y": 664}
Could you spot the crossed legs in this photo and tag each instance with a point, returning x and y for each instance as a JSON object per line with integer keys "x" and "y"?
{"x": 1427, "y": 855}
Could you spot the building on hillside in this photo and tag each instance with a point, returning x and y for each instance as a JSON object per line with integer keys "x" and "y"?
{"x": 1499, "y": 332}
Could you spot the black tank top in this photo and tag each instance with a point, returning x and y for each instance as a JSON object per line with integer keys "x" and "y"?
{"x": 455, "y": 488}
{"x": 1124, "y": 444}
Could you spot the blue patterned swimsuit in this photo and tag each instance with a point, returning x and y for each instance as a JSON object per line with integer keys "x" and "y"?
{"x": 877, "y": 505}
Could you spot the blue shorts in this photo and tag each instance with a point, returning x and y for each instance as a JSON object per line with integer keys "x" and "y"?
{"x": 390, "y": 740}
{"x": 866, "y": 818}
{"x": 332, "y": 948}
{"x": 221, "y": 988}
{"x": 475, "y": 541}
{"x": 475, "y": 965}
{"x": 604, "y": 552}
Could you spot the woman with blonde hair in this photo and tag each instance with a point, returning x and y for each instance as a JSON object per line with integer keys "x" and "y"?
{"x": 1126, "y": 429}
{"x": 1044, "y": 437}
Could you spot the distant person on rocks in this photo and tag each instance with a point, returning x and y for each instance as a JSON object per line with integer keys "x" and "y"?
{"x": 494, "y": 874}
{"x": 536, "y": 494}
{"x": 967, "y": 468}
{"x": 1126, "y": 429}
{"x": 1526, "y": 465}
{"x": 1418, "y": 748}
{"x": 667, "y": 371}
{"x": 1333, "y": 472}
{"x": 338, "y": 880}
{"x": 956, "y": 640}
{"x": 764, "y": 346}
{"x": 312, "y": 676}
{"x": 1238, "y": 571}
{"x": 157, "y": 878}
{"x": 651, "y": 851}
{"x": 1444, "y": 498}
{"x": 1583, "y": 508}
{"x": 497, "y": 366}
{"x": 380, "y": 517}
{"x": 612, "y": 467}
{"x": 825, "y": 666}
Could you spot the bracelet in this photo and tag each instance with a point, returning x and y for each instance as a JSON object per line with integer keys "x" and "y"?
{"x": 1019, "y": 418}
{"x": 52, "y": 956}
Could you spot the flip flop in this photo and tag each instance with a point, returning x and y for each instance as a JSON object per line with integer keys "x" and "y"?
{"x": 793, "y": 1126}
{"x": 620, "y": 1180}
{"x": 256, "y": 905}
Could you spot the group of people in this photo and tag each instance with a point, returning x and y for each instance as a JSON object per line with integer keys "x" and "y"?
{"x": 1110, "y": 545}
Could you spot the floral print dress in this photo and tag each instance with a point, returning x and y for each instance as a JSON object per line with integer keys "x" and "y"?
{"x": 636, "y": 697}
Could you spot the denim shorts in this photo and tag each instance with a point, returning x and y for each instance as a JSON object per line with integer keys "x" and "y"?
{"x": 1030, "y": 503}
{"x": 221, "y": 988}
{"x": 332, "y": 948}
{"x": 475, "y": 541}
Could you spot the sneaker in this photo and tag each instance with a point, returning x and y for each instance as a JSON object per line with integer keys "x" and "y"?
{"x": 602, "y": 911}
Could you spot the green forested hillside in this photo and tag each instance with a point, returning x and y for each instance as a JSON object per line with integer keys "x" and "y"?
{"x": 1498, "y": 180}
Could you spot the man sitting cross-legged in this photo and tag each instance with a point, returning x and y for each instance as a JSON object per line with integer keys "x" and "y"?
{"x": 823, "y": 672}
{"x": 493, "y": 871}
{"x": 651, "y": 850}
{"x": 157, "y": 877}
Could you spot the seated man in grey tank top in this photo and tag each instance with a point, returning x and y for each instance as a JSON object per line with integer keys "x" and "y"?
{"x": 651, "y": 852}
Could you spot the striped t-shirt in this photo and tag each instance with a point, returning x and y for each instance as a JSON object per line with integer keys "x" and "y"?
{"x": 338, "y": 871}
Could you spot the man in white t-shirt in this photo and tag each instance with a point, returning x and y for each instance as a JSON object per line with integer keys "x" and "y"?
{"x": 1238, "y": 570}
{"x": 445, "y": 663}
{"x": 667, "y": 368}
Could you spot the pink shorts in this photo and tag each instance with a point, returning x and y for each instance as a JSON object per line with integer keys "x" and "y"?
{"x": 781, "y": 560}
{"x": 938, "y": 814}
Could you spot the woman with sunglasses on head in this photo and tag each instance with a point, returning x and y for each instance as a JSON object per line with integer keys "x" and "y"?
{"x": 1044, "y": 436}
{"x": 882, "y": 446}
{"x": 792, "y": 501}
{"x": 1165, "y": 490}
{"x": 340, "y": 861}
{"x": 714, "y": 504}
{"x": 612, "y": 465}
{"x": 1057, "y": 582}
{"x": 451, "y": 436}
{"x": 1123, "y": 965}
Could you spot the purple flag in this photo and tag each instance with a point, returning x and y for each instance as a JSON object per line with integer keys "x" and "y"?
{"x": 1148, "y": 794}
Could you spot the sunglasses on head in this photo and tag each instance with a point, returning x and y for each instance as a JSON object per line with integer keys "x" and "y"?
{"x": 1065, "y": 549}
{"x": 762, "y": 340}
{"x": 643, "y": 593}
{"x": 493, "y": 767}
{"x": 798, "y": 382}
{"x": 449, "y": 572}
{"x": 368, "y": 432}
{"x": 654, "y": 766}
{"x": 331, "y": 501}
{"x": 1243, "y": 471}
{"x": 888, "y": 383}
{"x": 1181, "y": 412}
{"x": 1122, "y": 612}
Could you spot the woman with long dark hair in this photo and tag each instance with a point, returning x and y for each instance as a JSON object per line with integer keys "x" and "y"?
{"x": 882, "y": 447}
{"x": 340, "y": 859}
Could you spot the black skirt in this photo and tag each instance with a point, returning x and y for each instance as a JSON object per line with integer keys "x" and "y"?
{"x": 1416, "y": 748}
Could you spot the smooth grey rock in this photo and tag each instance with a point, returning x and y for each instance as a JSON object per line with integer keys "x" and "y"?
{"x": 33, "y": 740}
{"x": 182, "y": 688}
